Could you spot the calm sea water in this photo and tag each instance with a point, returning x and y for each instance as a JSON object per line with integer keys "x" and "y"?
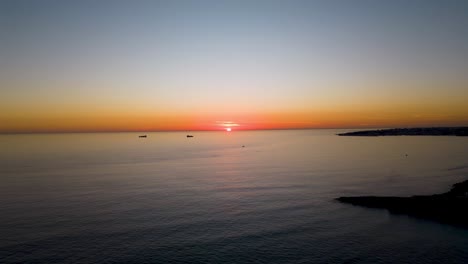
{"x": 117, "y": 198}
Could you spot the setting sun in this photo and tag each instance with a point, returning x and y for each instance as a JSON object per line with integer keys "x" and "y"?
{"x": 113, "y": 113}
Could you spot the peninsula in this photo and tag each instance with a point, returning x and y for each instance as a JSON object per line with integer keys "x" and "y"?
{"x": 421, "y": 131}
{"x": 450, "y": 207}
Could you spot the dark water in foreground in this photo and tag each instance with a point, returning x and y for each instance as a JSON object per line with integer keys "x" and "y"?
{"x": 115, "y": 198}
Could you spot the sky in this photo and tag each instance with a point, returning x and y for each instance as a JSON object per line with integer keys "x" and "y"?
{"x": 83, "y": 66}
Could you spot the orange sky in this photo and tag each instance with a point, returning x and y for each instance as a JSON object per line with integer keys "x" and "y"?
{"x": 287, "y": 65}
{"x": 338, "y": 118}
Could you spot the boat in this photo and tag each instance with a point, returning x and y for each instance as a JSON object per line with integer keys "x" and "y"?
{"x": 189, "y": 136}
{"x": 142, "y": 136}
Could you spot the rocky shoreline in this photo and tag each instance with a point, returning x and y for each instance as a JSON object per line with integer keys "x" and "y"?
{"x": 450, "y": 207}
{"x": 426, "y": 131}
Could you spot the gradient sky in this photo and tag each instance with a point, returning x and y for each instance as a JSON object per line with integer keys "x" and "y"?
{"x": 190, "y": 65}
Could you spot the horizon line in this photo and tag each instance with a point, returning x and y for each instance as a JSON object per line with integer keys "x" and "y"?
{"x": 207, "y": 130}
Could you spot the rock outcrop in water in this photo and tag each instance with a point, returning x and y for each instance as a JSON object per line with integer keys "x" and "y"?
{"x": 425, "y": 131}
{"x": 450, "y": 207}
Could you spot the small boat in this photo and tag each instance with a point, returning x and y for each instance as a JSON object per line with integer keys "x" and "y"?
{"x": 189, "y": 136}
{"x": 142, "y": 136}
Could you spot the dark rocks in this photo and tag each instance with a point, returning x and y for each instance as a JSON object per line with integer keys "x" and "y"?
{"x": 450, "y": 207}
{"x": 424, "y": 131}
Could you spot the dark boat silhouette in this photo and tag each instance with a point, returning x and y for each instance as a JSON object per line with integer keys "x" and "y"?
{"x": 189, "y": 136}
{"x": 142, "y": 136}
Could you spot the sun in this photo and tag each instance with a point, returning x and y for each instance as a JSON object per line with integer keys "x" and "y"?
{"x": 228, "y": 129}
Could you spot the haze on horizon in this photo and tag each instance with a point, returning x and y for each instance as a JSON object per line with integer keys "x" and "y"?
{"x": 206, "y": 65}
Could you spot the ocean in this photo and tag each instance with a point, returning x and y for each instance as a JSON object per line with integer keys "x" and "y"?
{"x": 118, "y": 198}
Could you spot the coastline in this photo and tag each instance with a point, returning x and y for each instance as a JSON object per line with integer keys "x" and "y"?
{"x": 450, "y": 207}
{"x": 418, "y": 131}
